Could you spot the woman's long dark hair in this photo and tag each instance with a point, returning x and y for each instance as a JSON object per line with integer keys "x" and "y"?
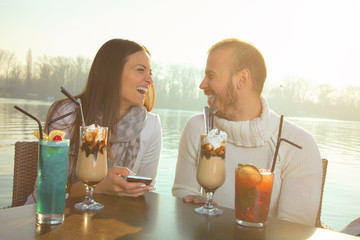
{"x": 101, "y": 97}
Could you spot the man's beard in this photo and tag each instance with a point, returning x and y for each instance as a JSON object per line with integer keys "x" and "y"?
{"x": 227, "y": 101}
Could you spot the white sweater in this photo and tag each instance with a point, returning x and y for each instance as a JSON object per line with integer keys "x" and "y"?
{"x": 298, "y": 173}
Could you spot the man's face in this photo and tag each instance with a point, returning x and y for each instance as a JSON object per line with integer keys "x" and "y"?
{"x": 218, "y": 81}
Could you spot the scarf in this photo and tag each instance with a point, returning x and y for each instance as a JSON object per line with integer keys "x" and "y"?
{"x": 125, "y": 142}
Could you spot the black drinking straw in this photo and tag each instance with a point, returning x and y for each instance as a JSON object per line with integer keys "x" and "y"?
{"x": 58, "y": 118}
{"x": 279, "y": 140}
{"x": 66, "y": 93}
{"x": 33, "y": 117}
{"x": 76, "y": 101}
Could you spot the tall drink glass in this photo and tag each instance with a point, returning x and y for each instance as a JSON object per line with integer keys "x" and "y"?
{"x": 211, "y": 170}
{"x": 53, "y": 159}
{"x": 91, "y": 165}
{"x": 253, "y": 189}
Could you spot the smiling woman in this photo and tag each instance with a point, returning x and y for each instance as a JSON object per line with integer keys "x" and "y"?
{"x": 119, "y": 94}
{"x": 136, "y": 81}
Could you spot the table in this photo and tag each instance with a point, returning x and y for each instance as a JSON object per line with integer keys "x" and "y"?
{"x": 153, "y": 216}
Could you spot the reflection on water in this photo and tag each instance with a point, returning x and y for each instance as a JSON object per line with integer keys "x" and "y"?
{"x": 339, "y": 142}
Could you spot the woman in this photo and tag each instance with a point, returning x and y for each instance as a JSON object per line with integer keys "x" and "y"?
{"x": 119, "y": 95}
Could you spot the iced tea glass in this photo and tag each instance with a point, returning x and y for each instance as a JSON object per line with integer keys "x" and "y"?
{"x": 211, "y": 170}
{"x": 253, "y": 189}
{"x": 91, "y": 165}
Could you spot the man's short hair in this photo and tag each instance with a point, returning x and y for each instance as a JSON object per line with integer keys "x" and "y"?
{"x": 245, "y": 55}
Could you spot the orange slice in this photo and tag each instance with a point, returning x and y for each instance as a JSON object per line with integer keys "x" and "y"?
{"x": 250, "y": 174}
{"x": 240, "y": 165}
{"x": 54, "y": 133}
{"x": 36, "y": 133}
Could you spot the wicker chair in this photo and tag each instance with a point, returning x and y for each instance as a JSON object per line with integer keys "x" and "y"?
{"x": 25, "y": 171}
{"x": 318, "y": 222}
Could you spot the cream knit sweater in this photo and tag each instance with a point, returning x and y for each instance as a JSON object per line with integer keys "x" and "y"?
{"x": 298, "y": 173}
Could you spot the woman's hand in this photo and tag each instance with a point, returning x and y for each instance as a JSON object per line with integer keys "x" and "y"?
{"x": 114, "y": 184}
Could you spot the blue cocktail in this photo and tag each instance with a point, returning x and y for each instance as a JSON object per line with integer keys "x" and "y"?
{"x": 53, "y": 161}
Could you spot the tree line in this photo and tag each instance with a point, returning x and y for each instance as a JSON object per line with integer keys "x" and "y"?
{"x": 176, "y": 85}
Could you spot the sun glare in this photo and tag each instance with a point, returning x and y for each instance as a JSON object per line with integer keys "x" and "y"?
{"x": 314, "y": 40}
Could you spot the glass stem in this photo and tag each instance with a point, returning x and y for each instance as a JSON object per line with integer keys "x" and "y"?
{"x": 209, "y": 200}
{"x": 89, "y": 195}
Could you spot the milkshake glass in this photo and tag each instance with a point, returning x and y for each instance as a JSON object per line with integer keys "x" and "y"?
{"x": 91, "y": 165}
{"x": 211, "y": 169}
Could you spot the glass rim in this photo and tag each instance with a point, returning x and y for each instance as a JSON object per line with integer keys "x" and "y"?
{"x": 95, "y": 126}
{"x": 262, "y": 171}
{"x": 56, "y": 142}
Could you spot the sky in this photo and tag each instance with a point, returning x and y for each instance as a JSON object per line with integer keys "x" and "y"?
{"x": 316, "y": 40}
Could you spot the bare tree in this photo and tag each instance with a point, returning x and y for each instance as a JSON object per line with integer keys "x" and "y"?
{"x": 29, "y": 63}
{"x": 7, "y": 62}
{"x": 80, "y": 72}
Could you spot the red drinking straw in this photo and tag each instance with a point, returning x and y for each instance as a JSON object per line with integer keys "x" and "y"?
{"x": 33, "y": 117}
{"x": 279, "y": 140}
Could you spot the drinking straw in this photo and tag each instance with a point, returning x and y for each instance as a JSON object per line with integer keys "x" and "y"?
{"x": 279, "y": 140}
{"x": 212, "y": 117}
{"x": 211, "y": 113}
{"x": 76, "y": 101}
{"x": 206, "y": 118}
{"x": 58, "y": 118}
{"x": 81, "y": 113}
{"x": 33, "y": 117}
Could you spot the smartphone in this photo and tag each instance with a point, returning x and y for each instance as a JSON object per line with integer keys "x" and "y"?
{"x": 145, "y": 180}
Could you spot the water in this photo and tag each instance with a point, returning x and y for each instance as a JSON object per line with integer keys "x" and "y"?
{"x": 339, "y": 142}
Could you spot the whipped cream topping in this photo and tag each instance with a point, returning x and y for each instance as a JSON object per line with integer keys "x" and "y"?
{"x": 215, "y": 137}
{"x": 99, "y": 132}
{"x": 94, "y": 140}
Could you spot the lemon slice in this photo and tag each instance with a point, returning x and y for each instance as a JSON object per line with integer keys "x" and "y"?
{"x": 252, "y": 173}
{"x": 36, "y": 133}
{"x": 54, "y": 133}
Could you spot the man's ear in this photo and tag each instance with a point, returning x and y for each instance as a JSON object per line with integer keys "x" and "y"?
{"x": 242, "y": 78}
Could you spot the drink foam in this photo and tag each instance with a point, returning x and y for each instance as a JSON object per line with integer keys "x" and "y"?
{"x": 215, "y": 137}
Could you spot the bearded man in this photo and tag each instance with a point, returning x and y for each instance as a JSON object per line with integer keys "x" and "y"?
{"x": 235, "y": 73}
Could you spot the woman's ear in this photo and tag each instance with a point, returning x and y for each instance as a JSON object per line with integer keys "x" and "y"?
{"x": 242, "y": 78}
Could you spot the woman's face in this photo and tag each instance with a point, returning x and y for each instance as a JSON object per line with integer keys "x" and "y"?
{"x": 136, "y": 79}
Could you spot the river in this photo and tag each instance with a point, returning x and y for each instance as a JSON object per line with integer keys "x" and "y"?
{"x": 339, "y": 142}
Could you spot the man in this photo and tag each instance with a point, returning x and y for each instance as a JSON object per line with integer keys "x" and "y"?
{"x": 236, "y": 72}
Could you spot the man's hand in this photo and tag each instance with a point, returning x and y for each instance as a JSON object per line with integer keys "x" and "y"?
{"x": 194, "y": 199}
